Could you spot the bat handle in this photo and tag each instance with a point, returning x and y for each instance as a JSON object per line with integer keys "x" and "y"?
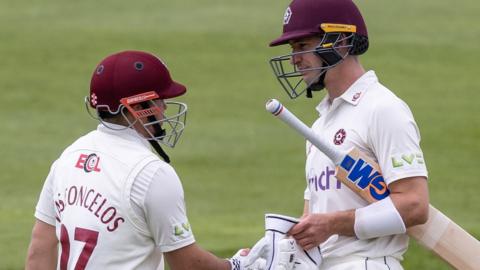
{"x": 277, "y": 109}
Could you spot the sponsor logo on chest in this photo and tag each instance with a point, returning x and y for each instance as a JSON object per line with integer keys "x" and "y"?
{"x": 325, "y": 180}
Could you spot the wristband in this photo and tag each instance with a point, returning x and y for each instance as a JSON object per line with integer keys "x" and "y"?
{"x": 378, "y": 219}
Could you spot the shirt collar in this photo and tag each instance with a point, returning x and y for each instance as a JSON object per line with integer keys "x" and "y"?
{"x": 123, "y": 132}
{"x": 354, "y": 93}
{"x": 357, "y": 90}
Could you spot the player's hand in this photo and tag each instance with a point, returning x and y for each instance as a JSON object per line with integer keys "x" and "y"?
{"x": 312, "y": 230}
{"x": 246, "y": 259}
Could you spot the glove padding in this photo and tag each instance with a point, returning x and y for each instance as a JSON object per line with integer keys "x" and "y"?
{"x": 250, "y": 261}
{"x": 284, "y": 253}
{"x": 290, "y": 257}
{"x": 307, "y": 260}
{"x": 287, "y": 248}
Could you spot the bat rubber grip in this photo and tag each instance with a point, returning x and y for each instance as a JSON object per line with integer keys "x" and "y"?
{"x": 277, "y": 109}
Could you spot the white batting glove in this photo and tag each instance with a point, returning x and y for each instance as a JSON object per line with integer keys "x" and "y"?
{"x": 249, "y": 262}
{"x": 260, "y": 264}
{"x": 286, "y": 256}
{"x": 287, "y": 249}
{"x": 290, "y": 257}
{"x": 284, "y": 253}
{"x": 307, "y": 260}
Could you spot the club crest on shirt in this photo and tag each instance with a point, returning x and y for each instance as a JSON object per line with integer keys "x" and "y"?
{"x": 339, "y": 137}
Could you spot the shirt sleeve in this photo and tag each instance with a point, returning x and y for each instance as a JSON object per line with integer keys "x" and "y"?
{"x": 165, "y": 212}
{"x": 306, "y": 194}
{"x": 396, "y": 142}
{"x": 45, "y": 210}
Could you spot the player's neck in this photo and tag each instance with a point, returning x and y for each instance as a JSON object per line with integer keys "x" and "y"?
{"x": 341, "y": 77}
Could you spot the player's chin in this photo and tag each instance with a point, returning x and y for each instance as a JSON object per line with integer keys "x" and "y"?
{"x": 309, "y": 78}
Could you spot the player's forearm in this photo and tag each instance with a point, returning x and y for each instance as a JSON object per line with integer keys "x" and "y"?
{"x": 192, "y": 257}
{"x": 306, "y": 209}
{"x": 42, "y": 252}
{"x": 412, "y": 207}
{"x": 343, "y": 223}
{"x": 41, "y": 258}
{"x": 206, "y": 261}
{"x": 413, "y": 212}
{"x": 410, "y": 197}
{"x": 406, "y": 206}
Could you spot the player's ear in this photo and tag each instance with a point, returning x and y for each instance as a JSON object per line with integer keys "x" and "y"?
{"x": 345, "y": 40}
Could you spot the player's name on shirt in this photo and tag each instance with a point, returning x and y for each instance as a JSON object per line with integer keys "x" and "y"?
{"x": 91, "y": 201}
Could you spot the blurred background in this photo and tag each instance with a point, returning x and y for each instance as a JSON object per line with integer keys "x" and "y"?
{"x": 236, "y": 162}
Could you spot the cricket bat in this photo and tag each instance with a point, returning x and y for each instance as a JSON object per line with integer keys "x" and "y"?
{"x": 362, "y": 175}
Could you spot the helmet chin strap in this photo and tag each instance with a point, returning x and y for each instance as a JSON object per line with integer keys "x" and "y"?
{"x": 329, "y": 56}
{"x": 158, "y": 131}
{"x": 159, "y": 150}
{"x": 316, "y": 86}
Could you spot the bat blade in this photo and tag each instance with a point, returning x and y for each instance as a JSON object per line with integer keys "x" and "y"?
{"x": 363, "y": 176}
{"x": 447, "y": 240}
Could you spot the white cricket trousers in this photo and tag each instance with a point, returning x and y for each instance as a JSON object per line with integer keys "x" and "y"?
{"x": 361, "y": 263}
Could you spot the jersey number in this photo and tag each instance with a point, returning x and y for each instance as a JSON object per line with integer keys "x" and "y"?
{"x": 83, "y": 235}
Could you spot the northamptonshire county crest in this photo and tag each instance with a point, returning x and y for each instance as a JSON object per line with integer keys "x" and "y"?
{"x": 287, "y": 16}
{"x": 339, "y": 137}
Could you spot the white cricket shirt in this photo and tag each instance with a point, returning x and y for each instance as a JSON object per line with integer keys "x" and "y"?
{"x": 371, "y": 118}
{"x": 115, "y": 204}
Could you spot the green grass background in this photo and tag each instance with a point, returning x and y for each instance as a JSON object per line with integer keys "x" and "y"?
{"x": 236, "y": 162}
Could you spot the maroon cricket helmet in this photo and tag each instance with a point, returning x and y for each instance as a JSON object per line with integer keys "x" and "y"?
{"x": 129, "y": 73}
{"x": 303, "y": 18}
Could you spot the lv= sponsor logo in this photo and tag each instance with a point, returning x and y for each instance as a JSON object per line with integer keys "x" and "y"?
{"x": 407, "y": 160}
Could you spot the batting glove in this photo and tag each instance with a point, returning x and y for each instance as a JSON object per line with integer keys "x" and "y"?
{"x": 250, "y": 261}
{"x": 284, "y": 253}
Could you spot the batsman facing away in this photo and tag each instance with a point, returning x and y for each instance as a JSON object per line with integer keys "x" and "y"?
{"x": 357, "y": 217}
{"x": 109, "y": 202}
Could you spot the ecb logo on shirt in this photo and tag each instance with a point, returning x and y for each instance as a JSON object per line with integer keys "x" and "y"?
{"x": 89, "y": 163}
